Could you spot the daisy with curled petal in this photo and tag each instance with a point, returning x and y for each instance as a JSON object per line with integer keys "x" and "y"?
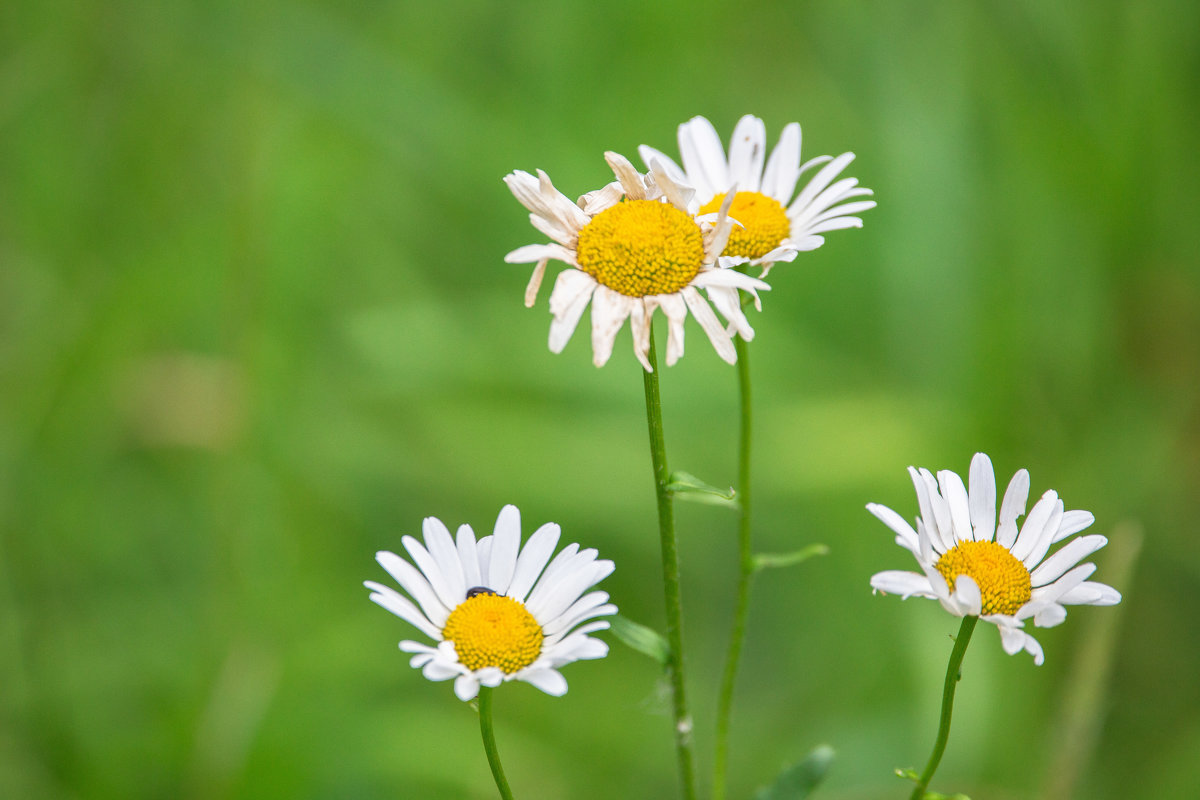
{"x": 775, "y": 225}
{"x": 634, "y": 246}
{"x": 976, "y": 567}
{"x": 497, "y": 611}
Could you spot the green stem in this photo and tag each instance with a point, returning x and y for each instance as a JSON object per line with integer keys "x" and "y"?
{"x": 489, "y": 742}
{"x": 670, "y": 564}
{"x": 745, "y": 576}
{"x": 952, "y": 676}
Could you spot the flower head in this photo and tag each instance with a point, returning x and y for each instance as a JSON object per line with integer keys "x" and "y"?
{"x": 976, "y": 567}
{"x": 634, "y": 246}
{"x": 775, "y": 226}
{"x": 492, "y": 617}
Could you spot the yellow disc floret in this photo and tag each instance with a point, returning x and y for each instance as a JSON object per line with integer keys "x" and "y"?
{"x": 641, "y": 248}
{"x": 764, "y": 223}
{"x": 1002, "y": 579}
{"x": 491, "y": 630}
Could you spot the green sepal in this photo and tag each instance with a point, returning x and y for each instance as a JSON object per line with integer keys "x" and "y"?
{"x": 772, "y": 560}
{"x": 646, "y": 641}
{"x": 798, "y": 781}
{"x": 687, "y": 486}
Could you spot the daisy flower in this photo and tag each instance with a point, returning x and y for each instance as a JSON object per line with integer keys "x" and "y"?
{"x": 634, "y": 246}
{"x": 775, "y": 226}
{"x": 491, "y": 616}
{"x": 976, "y": 567}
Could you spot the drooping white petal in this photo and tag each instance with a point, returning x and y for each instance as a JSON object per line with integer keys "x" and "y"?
{"x": 572, "y": 292}
{"x": 549, "y": 681}
{"x": 630, "y": 178}
{"x": 675, "y": 309}
{"x": 610, "y": 309}
{"x": 710, "y": 324}
{"x": 897, "y": 523}
{"x": 650, "y": 155}
{"x": 967, "y": 594}
{"x": 466, "y": 687}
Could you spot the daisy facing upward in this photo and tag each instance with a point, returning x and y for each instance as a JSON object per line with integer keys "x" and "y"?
{"x": 776, "y": 223}
{"x": 635, "y": 246}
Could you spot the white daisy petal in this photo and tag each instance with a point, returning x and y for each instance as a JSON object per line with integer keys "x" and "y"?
{"x": 703, "y": 156}
{"x": 783, "y": 167}
{"x": 445, "y": 555}
{"x": 506, "y": 542}
{"x": 710, "y": 324}
{"x": 905, "y": 584}
{"x": 1067, "y": 556}
{"x": 1012, "y": 507}
{"x": 549, "y": 681}
{"x": 413, "y": 582}
{"x": 468, "y": 556}
{"x": 432, "y": 572}
{"x": 983, "y": 497}
{"x": 402, "y": 607}
{"x": 1034, "y": 527}
{"x": 1073, "y": 522}
{"x": 572, "y": 292}
{"x": 1053, "y": 592}
{"x": 747, "y": 150}
{"x": 609, "y": 311}
{"x": 1090, "y": 593}
{"x": 955, "y": 494}
{"x": 466, "y": 687}
{"x": 533, "y": 558}
{"x": 896, "y": 523}
{"x": 650, "y": 155}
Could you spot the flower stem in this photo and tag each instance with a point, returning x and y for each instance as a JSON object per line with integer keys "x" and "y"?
{"x": 670, "y": 564}
{"x": 745, "y": 576}
{"x": 489, "y": 742}
{"x": 952, "y": 676}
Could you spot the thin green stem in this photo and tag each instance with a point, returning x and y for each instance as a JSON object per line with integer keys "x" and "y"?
{"x": 489, "y": 742}
{"x": 670, "y": 564}
{"x": 952, "y": 676}
{"x": 741, "y": 610}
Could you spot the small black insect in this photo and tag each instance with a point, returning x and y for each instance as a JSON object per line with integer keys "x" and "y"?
{"x": 474, "y": 590}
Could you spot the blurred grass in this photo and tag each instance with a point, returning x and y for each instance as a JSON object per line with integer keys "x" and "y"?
{"x": 255, "y": 324}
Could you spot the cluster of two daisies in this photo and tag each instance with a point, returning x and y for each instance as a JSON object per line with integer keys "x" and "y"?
{"x": 498, "y": 611}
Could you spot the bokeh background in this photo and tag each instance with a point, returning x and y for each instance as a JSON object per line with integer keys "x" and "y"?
{"x": 255, "y": 325}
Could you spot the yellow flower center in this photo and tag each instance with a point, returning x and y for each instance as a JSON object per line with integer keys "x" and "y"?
{"x": 491, "y": 630}
{"x": 1003, "y": 580}
{"x": 641, "y": 248}
{"x": 764, "y": 220}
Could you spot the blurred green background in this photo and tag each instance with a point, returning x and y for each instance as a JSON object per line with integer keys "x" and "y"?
{"x": 255, "y": 325}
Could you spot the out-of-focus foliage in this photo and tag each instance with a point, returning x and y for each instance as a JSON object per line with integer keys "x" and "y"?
{"x": 255, "y": 324}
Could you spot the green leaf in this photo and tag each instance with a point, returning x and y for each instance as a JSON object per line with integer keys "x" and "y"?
{"x": 646, "y": 641}
{"x": 687, "y": 486}
{"x": 771, "y": 560}
{"x": 908, "y": 773}
{"x": 798, "y": 781}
